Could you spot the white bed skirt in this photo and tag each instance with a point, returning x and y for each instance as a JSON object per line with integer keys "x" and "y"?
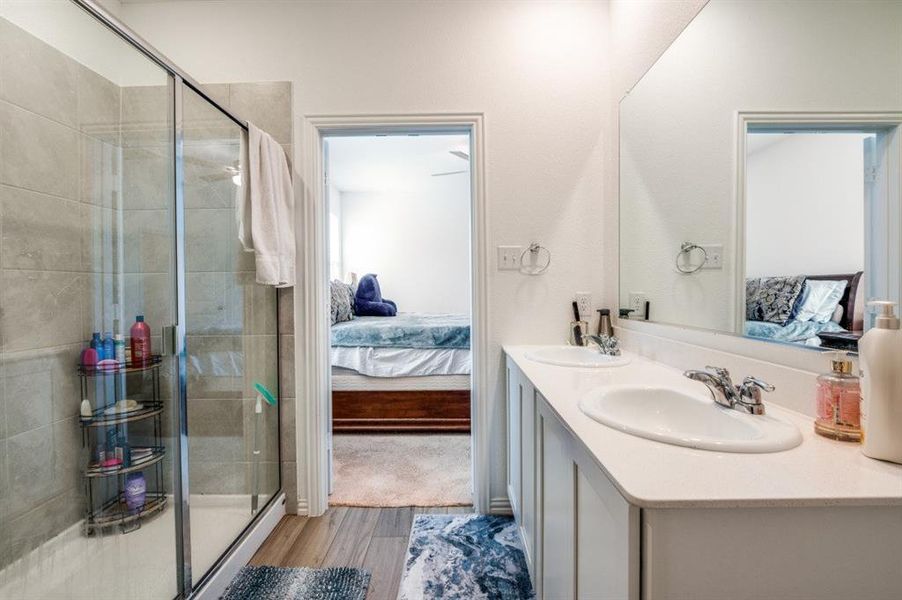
{"x": 402, "y": 362}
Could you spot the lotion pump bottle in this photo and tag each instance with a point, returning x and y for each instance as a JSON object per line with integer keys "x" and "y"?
{"x": 881, "y": 420}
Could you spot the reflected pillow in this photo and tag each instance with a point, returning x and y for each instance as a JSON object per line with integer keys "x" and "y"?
{"x": 819, "y": 300}
{"x": 772, "y": 299}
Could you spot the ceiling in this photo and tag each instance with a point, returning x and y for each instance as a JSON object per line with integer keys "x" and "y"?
{"x": 395, "y": 163}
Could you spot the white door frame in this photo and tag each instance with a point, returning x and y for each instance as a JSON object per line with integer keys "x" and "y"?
{"x": 312, "y": 362}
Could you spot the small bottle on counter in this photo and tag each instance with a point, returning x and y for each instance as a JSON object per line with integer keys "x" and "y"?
{"x": 839, "y": 401}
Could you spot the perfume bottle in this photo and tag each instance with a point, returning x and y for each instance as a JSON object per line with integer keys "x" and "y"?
{"x": 839, "y": 401}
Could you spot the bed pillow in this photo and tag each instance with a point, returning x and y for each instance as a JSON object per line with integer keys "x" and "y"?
{"x": 342, "y": 301}
{"x": 773, "y": 298}
{"x": 369, "y": 301}
{"x": 820, "y": 300}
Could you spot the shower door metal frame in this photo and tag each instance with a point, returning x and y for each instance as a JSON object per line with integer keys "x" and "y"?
{"x": 180, "y": 80}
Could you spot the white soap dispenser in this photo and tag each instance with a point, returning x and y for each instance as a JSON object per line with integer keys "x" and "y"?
{"x": 879, "y": 353}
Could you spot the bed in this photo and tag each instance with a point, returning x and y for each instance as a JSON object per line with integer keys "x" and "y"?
{"x": 407, "y": 373}
{"x": 807, "y": 332}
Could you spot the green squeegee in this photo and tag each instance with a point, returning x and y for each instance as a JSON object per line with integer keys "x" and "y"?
{"x": 263, "y": 393}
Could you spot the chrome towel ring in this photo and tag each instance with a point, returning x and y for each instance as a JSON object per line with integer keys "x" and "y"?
{"x": 686, "y": 248}
{"x": 536, "y": 269}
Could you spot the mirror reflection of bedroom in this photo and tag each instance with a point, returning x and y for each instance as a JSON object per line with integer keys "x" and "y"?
{"x": 805, "y": 188}
{"x": 399, "y": 269}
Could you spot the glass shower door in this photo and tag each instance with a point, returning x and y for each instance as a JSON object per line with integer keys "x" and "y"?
{"x": 231, "y": 343}
{"x": 87, "y": 246}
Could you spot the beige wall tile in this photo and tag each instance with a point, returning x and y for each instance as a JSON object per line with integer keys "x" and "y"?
{"x": 36, "y": 76}
{"x": 98, "y": 105}
{"x": 42, "y": 232}
{"x": 286, "y": 354}
{"x": 30, "y": 464}
{"x": 100, "y": 171}
{"x": 147, "y": 174}
{"x": 209, "y": 298}
{"x": 40, "y": 309}
{"x": 146, "y": 108}
{"x": 215, "y": 366}
{"x": 286, "y": 310}
{"x": 38, "y": 154}
{"x": 28, "y": 392}
{"x": 254, "y": 305}
{"x": 216, "y": 430}
{"x": 148, "y": 240}
{"x": 266, "y": 104}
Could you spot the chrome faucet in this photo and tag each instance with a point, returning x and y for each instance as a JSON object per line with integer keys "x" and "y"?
{"x": 607, "y": 344}
{"x": 745, "y": 397}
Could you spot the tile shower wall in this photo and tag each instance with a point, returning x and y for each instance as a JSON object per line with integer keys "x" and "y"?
{"x": 59, "y": 164}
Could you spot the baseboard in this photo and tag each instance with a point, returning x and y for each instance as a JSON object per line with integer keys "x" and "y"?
{"x": 500, "y": 506}
{"x": 303, "y": 507}
{"x": 243, "y": 551}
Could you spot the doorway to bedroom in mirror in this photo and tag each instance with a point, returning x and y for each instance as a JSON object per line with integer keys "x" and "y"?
{"x": 399, "y": 264}
{"x": 818, "y": 208}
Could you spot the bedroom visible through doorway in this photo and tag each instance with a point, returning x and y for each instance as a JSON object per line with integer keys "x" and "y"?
{"x": 399, "y": 223}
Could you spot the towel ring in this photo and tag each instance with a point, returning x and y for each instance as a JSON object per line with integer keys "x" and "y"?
{"x": 687, "y": 248}
{"x": 534, "y": 249}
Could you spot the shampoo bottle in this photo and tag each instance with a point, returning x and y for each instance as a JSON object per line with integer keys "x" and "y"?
{"x": 140, "y": 342}
{"x": 881, "y": 419}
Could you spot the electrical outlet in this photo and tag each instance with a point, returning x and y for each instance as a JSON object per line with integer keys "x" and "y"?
{"x": 715, "y": 256}
{"x": 584, "y": 304}
{"x": 637, "y": 303}
{"x": 509, "y": 258}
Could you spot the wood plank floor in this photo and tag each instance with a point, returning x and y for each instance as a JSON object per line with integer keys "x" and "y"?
{"x": 372, "y": 538}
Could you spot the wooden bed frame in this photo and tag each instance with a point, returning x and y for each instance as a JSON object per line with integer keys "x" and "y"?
{"x": 402, "y": 411}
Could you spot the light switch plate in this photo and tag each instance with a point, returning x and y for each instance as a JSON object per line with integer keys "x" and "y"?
{"x": 584, "y": 304}
{"x": 715, "y": 256}
{"x": 509, "y": 258}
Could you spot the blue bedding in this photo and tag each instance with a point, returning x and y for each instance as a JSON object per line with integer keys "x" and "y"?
{"x": 793, "y": 331}
{"x": 406, "y": 330}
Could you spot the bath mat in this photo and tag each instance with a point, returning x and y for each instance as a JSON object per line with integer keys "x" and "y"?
{"x": 280, "y": 583}
{"x": 465, "y": 556}
{"x": 401, "y": 470}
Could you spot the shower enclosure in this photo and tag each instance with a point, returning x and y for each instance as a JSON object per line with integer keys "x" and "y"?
{"x": 118, "y": 183}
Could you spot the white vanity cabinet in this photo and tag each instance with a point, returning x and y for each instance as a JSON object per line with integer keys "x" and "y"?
{"x": 585, "y": 541}
{"x": 581, "y": 536}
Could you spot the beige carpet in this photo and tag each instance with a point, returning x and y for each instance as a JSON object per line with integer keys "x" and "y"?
{"x": 401, "y": 470}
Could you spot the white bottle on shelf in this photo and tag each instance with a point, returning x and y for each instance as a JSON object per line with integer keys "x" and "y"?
{"x": 880, "y": 356}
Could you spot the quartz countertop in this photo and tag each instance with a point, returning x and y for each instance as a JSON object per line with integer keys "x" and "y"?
{"x": 650, "y": 474}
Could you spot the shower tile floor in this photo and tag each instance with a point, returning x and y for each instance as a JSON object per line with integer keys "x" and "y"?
{"x": 140, "y": 565}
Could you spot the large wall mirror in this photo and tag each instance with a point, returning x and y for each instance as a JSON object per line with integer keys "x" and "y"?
{"x": 761, "y": 172}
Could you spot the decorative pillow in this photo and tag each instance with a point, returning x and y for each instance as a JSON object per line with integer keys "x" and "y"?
{"x": 820, "y": 300}
{"x": 774, "y": 299}
{"x": 342, "y": 301}
{"x": 369, "y": 301}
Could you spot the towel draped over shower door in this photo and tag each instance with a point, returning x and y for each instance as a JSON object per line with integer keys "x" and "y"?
{"x": 265, "y": 209}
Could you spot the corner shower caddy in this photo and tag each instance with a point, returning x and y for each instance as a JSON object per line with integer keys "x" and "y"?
{"x": 105, "y": 504}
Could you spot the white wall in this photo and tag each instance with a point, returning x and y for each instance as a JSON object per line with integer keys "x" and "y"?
{"x": 678, "y": 156}
{"x": 805, "y": 204}
{"x": 417, "y": 243}
{"x": 538, "y": 71}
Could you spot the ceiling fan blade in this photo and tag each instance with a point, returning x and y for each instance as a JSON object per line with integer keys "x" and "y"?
{"x": 460, "y": 154}
{"x": 449, "y": 173}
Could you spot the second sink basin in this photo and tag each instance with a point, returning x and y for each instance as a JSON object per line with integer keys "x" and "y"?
{"x": 674, "y": 417}
{"x": 575, "y": 356}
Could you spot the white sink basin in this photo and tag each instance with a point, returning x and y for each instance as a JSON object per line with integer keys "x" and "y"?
{"x": 673, "y": 417}
{"x": 575, "y": 356}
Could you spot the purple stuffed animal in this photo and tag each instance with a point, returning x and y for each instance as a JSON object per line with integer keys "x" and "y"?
{"x": 368, "y": 302}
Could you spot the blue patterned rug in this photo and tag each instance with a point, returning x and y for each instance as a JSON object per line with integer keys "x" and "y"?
{"x": 465, "y": 557}
{"x": 280, "y": 583}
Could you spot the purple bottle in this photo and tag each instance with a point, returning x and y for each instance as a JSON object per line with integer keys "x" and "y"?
{"x": 135, "y": 491}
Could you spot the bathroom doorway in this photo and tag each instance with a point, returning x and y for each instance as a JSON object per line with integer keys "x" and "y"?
{"x": 401, "y": 235}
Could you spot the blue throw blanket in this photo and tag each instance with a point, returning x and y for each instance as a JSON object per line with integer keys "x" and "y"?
{"x": 407, "y": 330}
{"x": 793, "y": 331}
